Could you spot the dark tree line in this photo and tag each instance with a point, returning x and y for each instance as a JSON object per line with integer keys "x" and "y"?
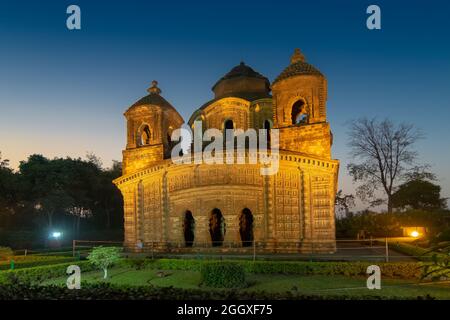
{"x": 72, "y": 195}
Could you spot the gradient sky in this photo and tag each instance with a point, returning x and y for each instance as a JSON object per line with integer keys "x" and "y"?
{"x": 63, "y": 93}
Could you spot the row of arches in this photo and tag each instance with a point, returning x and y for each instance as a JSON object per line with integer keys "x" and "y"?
{"x": 229, "y": 124}
{"x": 144, "y": 136}
{"x": 217, "y": 228}
{"x": 298, "y": 116}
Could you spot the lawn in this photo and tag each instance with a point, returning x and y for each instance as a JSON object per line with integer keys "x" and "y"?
{"x": 316, "y": 284}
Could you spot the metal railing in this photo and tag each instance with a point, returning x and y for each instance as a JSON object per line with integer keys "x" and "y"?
{"x": 373, "y": 249}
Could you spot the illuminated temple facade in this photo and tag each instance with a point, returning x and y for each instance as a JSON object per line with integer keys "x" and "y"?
{"x": 232, "y": 207}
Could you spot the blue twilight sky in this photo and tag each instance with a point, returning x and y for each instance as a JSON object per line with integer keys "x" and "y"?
{"x": 63, "y": 92}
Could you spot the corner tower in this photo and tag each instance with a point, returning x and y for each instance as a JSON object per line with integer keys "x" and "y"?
{"x": 150, "y": 122}
{"x": 299, "y": 108}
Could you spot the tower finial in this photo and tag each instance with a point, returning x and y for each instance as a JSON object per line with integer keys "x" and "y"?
{"x": 154, "y": 88}
{"x": 297, "y": 56}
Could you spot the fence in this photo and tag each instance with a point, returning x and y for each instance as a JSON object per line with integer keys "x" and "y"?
{"x": 345, "y": 250}
{"x": 80, "y": 247}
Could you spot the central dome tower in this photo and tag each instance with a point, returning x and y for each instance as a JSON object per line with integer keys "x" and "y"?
{"x": 242, "y": 80}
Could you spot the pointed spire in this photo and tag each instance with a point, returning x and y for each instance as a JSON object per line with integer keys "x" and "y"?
{"x": 154, "y": 88}
{"x": 297, "y": 56}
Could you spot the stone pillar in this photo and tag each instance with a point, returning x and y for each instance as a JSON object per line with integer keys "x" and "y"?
{"x": 269, "y": 212}
{"x": 202, "y": 237}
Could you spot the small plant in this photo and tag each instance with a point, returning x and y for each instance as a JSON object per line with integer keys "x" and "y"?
{"x": 223, "y": 275}
{"x": 104, "y": 257}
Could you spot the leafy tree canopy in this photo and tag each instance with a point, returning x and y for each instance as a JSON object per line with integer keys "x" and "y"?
{"x": 104, "y": 257}
{"x": 418, "y": 194}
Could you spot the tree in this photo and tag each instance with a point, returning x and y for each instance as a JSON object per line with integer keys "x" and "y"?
{"x": 372, "y": 223}
{"x": 66, "y": 193}
{"x": 45, "y": 185}
{"x": 109, "y": 198}
{"x": 343, "y": 203}
{"x": 418, "y": 194}
{"x": 84, "y": 179}
{"x": 8, "y": 188}
{"x": 104, "y": 257}
{"x": 386, "y": 155}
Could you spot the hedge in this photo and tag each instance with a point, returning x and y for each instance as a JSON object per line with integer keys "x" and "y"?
{"x": 223, "y": 275}
{"x": 106, "y": 291}
{"x": 41, "y": 273}
{"x": 406, "y": 270}
{"x": 33, "y": 261}
{"x": 416, "y": 251}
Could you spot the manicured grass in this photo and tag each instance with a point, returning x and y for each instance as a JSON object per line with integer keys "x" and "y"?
{"x": 352, "y": 286}
{"x": 317, "y": 284}
{"x": 127, "y": 276}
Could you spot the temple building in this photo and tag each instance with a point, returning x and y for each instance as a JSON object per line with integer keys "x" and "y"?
{"x": 174, "y": 208}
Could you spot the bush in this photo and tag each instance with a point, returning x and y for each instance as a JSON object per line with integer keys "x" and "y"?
{"x": 5, "y": 253}
{"x": 415, "y": 251}
{"x": 406, "y": 270}
{"x": 134, "y": 263}
{"x": 39, "y": 274}
{"x": 106, "y": 291}
{"x": 443, "y": 236}
{"x": 223, "y": 275}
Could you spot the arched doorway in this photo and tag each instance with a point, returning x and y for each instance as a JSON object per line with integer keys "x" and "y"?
{"x": 229, "y": 124}
{"x": 267, "y": 127}
{"x": 145, "y": 136}
{"x": 216, "y": 227}
{"x": 188, "y": 229}
{"x": 298, "y": 114}
{"x": 246, "y": 227}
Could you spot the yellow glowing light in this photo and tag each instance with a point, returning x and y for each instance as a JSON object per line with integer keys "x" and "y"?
{"x": 414, "y": 234}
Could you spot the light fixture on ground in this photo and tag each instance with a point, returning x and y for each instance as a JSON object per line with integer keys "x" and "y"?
{"x": 415, "y": 234}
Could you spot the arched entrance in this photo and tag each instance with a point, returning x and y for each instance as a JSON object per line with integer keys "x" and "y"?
{"x": 188, "y": 229}
{"x": 144, "y": 136}
{"x": 298, "y": 113}
{"x": 229, "y": 124}
{"x": 216, "y": 227}
{"x": 267, "y": 127}
{"x": 246, "y": 227}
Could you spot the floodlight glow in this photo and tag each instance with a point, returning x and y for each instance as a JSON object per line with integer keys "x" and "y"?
{"x": 414, "y": 234}
{"x": 56, "y": 235}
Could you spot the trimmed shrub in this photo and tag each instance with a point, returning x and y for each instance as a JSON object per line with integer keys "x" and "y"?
{"x": 134, "y": 263}
{"x": 415, "y": 251}
{"x": 33, "y": 261}
{"x": 39, "y": 274}
{"x": 106, "y": 291}
{"x": 406, "y": 270}
{"x": 223, "y": 275}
